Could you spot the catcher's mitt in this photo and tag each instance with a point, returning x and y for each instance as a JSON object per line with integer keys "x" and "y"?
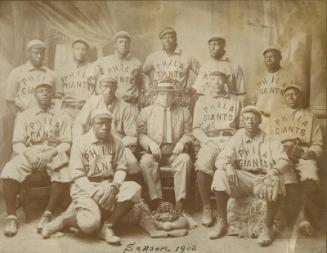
{"x": 267, "y": 187}
{"x": 166, "y": 149}
{"x": 293, "y": 150}
{"x": 165, "y": 212}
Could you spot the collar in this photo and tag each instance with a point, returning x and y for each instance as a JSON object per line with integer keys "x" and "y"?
{"x": 258, "y": 137}
{"x": 79, "y": 65}
{"x": 223, "y": 58}
{"x": 37, "y": 110}
{"x": 93, "y": 139}
{"x": 178, "y": 50}
{"x": 30, "y": 67}
{"x": 127, "y": 57}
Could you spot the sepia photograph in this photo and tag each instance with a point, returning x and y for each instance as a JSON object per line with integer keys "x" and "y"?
{"x": 163, "y": 126}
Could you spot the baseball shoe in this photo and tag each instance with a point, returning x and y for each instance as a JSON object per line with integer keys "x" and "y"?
{"x": 266, "y": 236}
{"x": 46, "y": 218}
{"x": 11, "y": 226}
{"x": 52, "y": 227}
{"x": 207, "y": 219}
{"x": 220, "y": 229}
{"x": 107, "y": 234}
{"x": 305, "y": 228}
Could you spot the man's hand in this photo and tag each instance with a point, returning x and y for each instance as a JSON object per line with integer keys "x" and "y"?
{"x": 232, "y": 176}
{"x": 32, "y": 158}
{"x": 179, "y": 147}
{"x": 309, "y": 155}
{"x": 155, "y": 149}
{"x": 108, "y": 199}
{"x": 97, "y": 195}
{"x": 45, "y": 158}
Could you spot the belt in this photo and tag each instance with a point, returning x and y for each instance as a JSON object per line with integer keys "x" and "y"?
{"x": 74, "y": 105}
{"x": 131, "y": 100}
{"x": 223, "y": 132}
{"x": 99, "y": 179}
{"x": 257, "y": 172}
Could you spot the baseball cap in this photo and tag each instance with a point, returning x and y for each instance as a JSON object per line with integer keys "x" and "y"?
{"x": 218, "y": 73}
{"x": 107, "y": 78}
{"x": 167, "y": 30}
{"x": 166, "y": 86}
{"x": 101, "y": 113}
{"x": 44, "y": 82}
{"x": 251, "y": 108}
{"x": 216, "y": 37}
{"x": 80, "y": 41}
{"x": 36, "y": 44}
{"x": 272, "y": 49}
{"x": 293, "y": 86}
{"x": 122, "y": 34}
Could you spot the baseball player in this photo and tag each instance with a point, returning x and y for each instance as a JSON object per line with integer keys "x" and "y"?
{"x": 220, "y": 62}
{"x": 100, "y": 194}
{"x": 124, "y": 122}
{"x": 301, "y": 134}
{"x": 73, "y": 83}
{"x": 42, "y": 137}
{"x": 250, "y": 163}
{"x": 164, "y": 130}
{"x": 171, "y": 62}
{"x": 123, "y": 67}
{"x": 21, "y": 80}
{"x": 216, "y": 118}
{"x": 271, "y": 85}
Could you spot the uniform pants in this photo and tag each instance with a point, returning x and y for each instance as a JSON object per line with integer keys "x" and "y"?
{"x": 181, "y": 167}
{"x": 88, "y": 213}
{"x": 132, "y": 163}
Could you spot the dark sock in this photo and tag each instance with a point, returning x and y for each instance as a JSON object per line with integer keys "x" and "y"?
{"x": 57, "y": 193}
{"x": 137, "y": 177}
{"x": 204, "y": 185}
{"x": 309, "y": 195}
{"x": 291, "y": 203}
{"x": 272, "y": 208}
{"x": 11, "y": 189}
{"x": 221, "y": 202}
{"x": 120, "y": 210}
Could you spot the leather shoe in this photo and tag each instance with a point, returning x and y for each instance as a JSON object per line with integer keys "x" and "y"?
{"x": 11, "y": 226}
{"x": 46, "y": 218}
{"x": 220, "y": 229}
{"x": 207, "y": 219}
{"x": 108, "y": 235}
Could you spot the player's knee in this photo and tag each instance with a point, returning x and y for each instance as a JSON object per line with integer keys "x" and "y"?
{"x": 87, "y": 221}
{"x": 146, "y": 162}
{"x": 134, "y": 191}
{"x": 132, "y": 165}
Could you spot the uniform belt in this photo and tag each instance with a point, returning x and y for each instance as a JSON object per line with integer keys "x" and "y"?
{"x": 99, "y": 179}
{"x": 131, "y": 100}
{"x": 257, "y": 172}
{"x": 217, "y": 133}
{"x": 74, "y": 105}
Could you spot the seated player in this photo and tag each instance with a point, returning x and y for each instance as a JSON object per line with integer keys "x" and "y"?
{"x": 164, "y": 131}
{"x": 42, "y": 136}
{"x": 216, "y": 118}
{"x": 123, "y": 123}
{"x": 301, "y": 134}
{"x": 100, "y": 194}
{"x": 250, "y": 163}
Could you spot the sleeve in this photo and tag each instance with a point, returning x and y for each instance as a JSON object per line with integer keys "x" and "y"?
{"x": 66, "y": 129}
{"x": 60, "y": 83}
{"x": 198, "y": 84}
{"x": 194, "y": 65}
{"x": 238, "y": 122}
{"x": 20, "y": 135}
{"x": 129, "y": 118}
{"x": 82, "y": 120}
{"x": 76, "y": 166}
{"x": 277, "y": 151}
{"x": 197, "y": 114}
{"x": 316, "y": 137}
{"x": 120, "y": 157}
{"x": 144, "y": 139}
{"x": 239, "y": 79}
{"x": 187, "y": 136}
{"x": 55, "y": 81}
{"x": 11, "y": 86}
{"x": 227, "y": 158}
{"x": 148, "y": 65}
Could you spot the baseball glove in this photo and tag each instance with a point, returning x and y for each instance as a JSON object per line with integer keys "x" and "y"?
{"x": 267, "y": 187}
{"x": 293, "y": 149}
{"x": 166, "y": 149}
{"x": 106, "y": 197}
{"x": 166, "y": 212}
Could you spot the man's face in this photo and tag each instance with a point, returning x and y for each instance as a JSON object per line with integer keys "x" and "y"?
{"x": 169, "y": 41}
{"x": 122, "y": 45}
{"x": 292, "y": 97}
{"x": 101, "y": 127}
{"x": 36, "y": 56}
{"x": 251, "y": 122}
{"x": 217, "y": 48}
{"x": 272, "y": 60}
{"x": 108, "y": 90}
{"x": 79, "y": 52}
{"x": 217, "y": 83}
{"x": 43, "y": 95}
{"x": 166, "y": 98}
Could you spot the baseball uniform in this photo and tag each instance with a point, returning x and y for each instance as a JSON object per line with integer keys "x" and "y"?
{"x": 127, "y": 71}
{"x": 175, "y": 67}
{"x": 301, "y": 125}
{"x": 252, "y": 157}
{"x": 97, "y": 162}
{"x": 75, "y": 87}
{"x": 218, "y": 117}
{"x": 21, "y": 82}
{"x": 235, "y": 79}
{"x": 123, "y": 124}
{"x": 40, "y": 131}
{"x": 165, "y": 126}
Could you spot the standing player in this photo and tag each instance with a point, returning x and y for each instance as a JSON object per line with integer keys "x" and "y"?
{"x": 220, "y": 62}
{"x": 21, "y": 80}
{"x": 73, "y": 82}
{"x": 271, "y": 86}
{"x": 170, "y": 62}
{"x": 41, "y": 139}
{"x": 216, "y": 118}
{"x": 300, "y": 132}
{"x": 123, "y": 67}
{"x": 250, "y": 163}
{"x": 100, "y": 194}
